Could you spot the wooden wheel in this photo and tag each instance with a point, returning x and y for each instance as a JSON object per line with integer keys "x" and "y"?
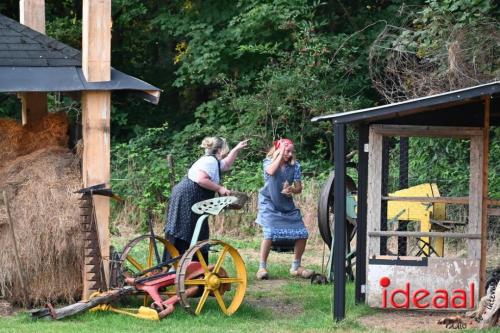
{"x": 226, "y": 280}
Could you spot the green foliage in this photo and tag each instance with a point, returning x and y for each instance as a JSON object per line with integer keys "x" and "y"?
{"x": 446, "y": 163}
{"x": 68, "y": 30}
{"x": 234, "y": 38}
{"x": 264, "y": 70}
{"x": 438, "y": 19}
{"x": 259, "y": 69}
{"x": 10, "y": 107}
{"x": 140, "y": 172}
{"x": 494, "y": 166}
{"x": 463, "y": 12}
{"x": 442, "y": 161}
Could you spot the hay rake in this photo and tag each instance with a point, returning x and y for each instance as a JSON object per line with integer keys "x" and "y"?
{"x": 187, "y": 279}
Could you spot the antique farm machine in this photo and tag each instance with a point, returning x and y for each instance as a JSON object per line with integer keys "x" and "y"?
{"x": 150, "y": 267}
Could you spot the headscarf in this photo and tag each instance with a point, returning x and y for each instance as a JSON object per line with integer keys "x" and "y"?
{"x": 278, "y": 143}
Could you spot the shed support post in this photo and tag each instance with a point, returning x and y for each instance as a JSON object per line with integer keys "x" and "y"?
{"x": 96, "y": 107}
{"x": 362, "y": 213}
{"x": 339, "y": 223}
{"x": 484, "y": 215}
{"x": 34, "y": 104}
{"x": 404, "y": 143}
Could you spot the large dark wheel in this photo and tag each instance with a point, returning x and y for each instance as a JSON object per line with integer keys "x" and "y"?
{"x": 325, "y": 210}
{"x": 326, "y": 220}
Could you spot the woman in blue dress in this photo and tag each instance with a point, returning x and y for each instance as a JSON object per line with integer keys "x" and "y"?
{"x": 279, "y": 217}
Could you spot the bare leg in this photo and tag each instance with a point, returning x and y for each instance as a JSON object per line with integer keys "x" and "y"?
{"x": 265, "y": 248}
{"x": 300, "y": 246}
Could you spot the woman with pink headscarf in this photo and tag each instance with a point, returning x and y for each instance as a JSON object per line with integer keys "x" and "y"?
{"x": 279, "y": 217}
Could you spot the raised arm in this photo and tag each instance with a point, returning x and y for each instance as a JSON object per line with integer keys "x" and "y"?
{"x": 229, "y": 160}
{"x": 277, "y": 158}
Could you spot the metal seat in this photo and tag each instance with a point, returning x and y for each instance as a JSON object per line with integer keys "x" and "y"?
{"x": 213, "y": 206}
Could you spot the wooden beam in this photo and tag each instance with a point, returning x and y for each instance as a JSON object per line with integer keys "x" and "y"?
{"x": 34, "y": 108}
{"x": 492, "y": 202}
{"x": 32, "y": 14}
{"x": 449, "y": 200}
{"x": 424, "y": 234}
{"x": 374, "y": 190}
{"x": 475, "y": 195}
{"x": 427, "y": 131}
{"x": 485, "y": 201}
{"x": 96, "y": 108}
{"x": 494, "y": 212}
{"x": 34, "y": 104}
{"x": 96, "y": 40}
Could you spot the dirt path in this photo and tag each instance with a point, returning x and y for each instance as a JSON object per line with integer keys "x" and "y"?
{"x": 266, "y": 294}
{"x": 410, "y": 321}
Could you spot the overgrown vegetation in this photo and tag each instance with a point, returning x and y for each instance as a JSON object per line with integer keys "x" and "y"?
{"x": 261, "y": 69}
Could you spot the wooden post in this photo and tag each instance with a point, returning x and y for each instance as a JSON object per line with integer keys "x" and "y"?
{"x": 171, "y": 174}
{"x": 96, "y": 40}
{"x": 475, "y": 195}
{"x": 484, "y": 216}
{"x": 374, "y": 190}
{"x": 34, "y": 104}
{"x": 96, "y": 106}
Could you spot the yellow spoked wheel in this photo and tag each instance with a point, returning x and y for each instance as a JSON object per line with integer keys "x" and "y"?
{"x": 226, "y": 279}
{"x": 139, "y": 256}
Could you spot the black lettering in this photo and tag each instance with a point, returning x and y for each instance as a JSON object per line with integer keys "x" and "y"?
{"x": 456, "y": 326}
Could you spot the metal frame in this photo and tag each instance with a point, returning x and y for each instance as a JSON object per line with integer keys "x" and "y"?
{"x": 340, "y": 216}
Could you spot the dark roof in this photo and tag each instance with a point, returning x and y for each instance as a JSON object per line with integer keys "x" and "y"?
{"x": 459, "y": 108}
{"x": 31, "y": 61}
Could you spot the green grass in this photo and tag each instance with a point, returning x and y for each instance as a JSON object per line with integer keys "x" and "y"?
{"x": 297, "y": 306}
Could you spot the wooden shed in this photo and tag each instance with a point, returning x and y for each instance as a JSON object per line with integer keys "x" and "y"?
{"x": 466, "y": 113}
{"x": 33, "y": 64}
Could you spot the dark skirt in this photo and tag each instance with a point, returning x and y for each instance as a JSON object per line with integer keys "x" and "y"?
{"x": 181, "y": 220}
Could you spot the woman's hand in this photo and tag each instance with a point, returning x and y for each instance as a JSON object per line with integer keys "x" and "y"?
{"x": 242, "y": 144}
{"x": 223, "y": 191}
{"x": 287, "y": 189}
{"x": 229, "y": 159}
{"x": 295, "y": 188}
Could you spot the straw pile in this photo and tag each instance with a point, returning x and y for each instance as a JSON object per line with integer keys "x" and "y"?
{"x": 39, "y": 174}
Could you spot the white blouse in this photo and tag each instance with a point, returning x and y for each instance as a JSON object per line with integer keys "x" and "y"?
{"x": 209, "y": 165}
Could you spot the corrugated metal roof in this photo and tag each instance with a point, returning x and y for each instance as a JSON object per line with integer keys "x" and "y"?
{"x": 33, "y": 62}
{"x": 412, "y": 106}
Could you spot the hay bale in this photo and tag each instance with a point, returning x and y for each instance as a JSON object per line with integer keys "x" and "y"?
{"x": 39, "y": 175}
{"x": 16, "y": 140}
